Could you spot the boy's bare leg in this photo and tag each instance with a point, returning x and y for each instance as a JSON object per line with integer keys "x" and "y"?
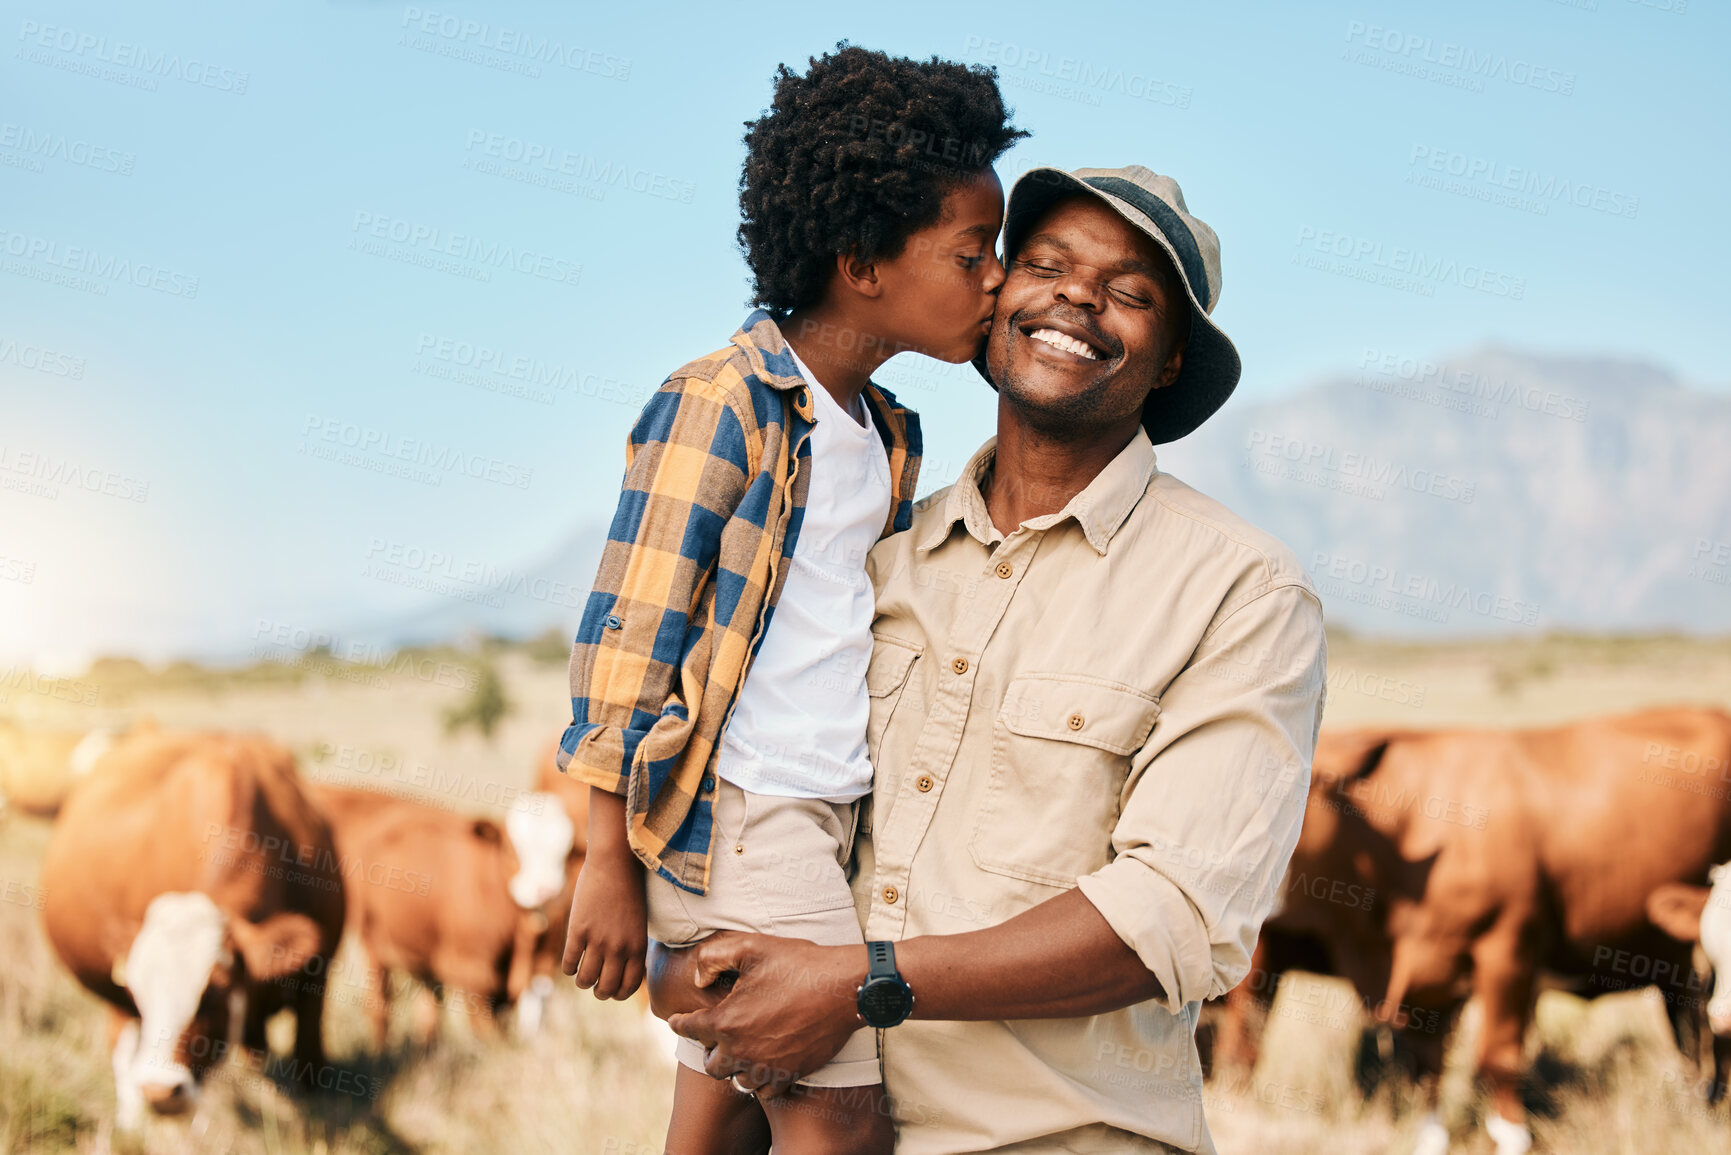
{"x": 711, "y": 1118}
{"x": 832, "y": 1121}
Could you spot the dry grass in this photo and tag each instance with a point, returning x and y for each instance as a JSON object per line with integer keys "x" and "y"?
{"x": 1606, "y": 1078}
{"x": 590, "y": 1081}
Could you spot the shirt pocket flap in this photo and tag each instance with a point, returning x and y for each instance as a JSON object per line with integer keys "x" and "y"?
{"x": 1094, "y": 712}
{"x": 892, "y": 658}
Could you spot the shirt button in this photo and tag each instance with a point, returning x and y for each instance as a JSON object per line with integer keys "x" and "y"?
{"x": 708, "y": 783}
{"x": 960, "y": 665}
{"x": 891, "y": 894}
{"x": 739, "y": 848}
{"x": 923, "y": 783}
{"x": 1005, "y": 569}
{"x": 613, "y": 621}
{"x": 1076, "y": 721}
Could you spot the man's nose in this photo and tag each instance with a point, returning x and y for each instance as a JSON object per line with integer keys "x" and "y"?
{"x": 1082, "y": 292}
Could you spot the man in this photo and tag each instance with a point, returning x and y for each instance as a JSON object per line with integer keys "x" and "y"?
{"x": 1095, "y": 695}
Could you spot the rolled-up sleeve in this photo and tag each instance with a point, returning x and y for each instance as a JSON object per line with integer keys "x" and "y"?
{"x": 1213, "y": 803}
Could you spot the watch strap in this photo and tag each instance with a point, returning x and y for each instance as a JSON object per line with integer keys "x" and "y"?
{"x": 881, "y": 957}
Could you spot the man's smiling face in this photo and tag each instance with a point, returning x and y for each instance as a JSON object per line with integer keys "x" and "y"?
{"x": 1091, "y": 317}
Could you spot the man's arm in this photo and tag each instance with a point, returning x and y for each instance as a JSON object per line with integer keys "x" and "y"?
{"x": 792, "y": 1005}
{"x": 1211, "y": 814}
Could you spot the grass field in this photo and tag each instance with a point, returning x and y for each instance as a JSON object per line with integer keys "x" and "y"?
{"x": 1606, "y": 1079}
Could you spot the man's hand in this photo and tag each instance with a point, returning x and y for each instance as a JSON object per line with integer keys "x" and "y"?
{"x": 791, "y": 1009}
{"x": 608, "y": 934}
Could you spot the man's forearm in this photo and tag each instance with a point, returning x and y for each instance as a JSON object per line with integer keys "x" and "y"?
{"x": 1060, "y": 960}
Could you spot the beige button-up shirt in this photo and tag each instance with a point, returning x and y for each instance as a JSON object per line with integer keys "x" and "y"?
{"x": 1122, "y": 697}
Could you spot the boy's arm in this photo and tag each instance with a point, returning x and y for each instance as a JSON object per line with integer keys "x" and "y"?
{"x": 608, "y": 934}
{"x": 689, "y": 462}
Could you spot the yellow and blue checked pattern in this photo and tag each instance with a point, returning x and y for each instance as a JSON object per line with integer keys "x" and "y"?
{"x": 716, "y": 474}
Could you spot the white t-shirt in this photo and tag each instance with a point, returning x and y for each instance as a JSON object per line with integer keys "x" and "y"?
{"x": 799, "y": 725}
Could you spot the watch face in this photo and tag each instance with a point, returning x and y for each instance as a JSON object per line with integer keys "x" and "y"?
{"x": 885, "y": 1002}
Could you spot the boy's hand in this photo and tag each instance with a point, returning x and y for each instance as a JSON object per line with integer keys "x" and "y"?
{"x": 608, "y": 934}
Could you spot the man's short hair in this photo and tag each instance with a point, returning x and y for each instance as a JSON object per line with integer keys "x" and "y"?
{"x": 855, "y": 157}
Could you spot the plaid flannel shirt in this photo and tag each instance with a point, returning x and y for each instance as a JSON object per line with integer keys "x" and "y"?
{"x": 716, "y": 474}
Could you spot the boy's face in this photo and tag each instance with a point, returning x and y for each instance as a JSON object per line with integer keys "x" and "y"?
{"x": 940, "y": 291}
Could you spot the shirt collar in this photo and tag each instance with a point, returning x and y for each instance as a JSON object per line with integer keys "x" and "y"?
{"x": 1099, "y": 509}
{"x": 771, "y": 359}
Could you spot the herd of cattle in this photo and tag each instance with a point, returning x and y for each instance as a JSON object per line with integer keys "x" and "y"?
{"x": 198, "y": 884}
{"x": 1434, "y": 866}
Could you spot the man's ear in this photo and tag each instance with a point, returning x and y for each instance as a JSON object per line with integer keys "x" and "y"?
{"x": 277, "y": 947}
{"x": 1174, "y": 366}
{"x": 858, "y": 275}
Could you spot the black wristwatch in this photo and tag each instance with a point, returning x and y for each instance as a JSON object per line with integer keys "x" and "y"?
{"x": 884, "y": 999}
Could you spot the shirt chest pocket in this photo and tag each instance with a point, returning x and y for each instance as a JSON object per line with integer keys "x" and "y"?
{"x": 1061, "y": 748}
{"x": 886, "y": 681}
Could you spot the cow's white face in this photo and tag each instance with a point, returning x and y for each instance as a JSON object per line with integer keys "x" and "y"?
{"x": 541, "y": 835}
{"x": 179, "y": 971}
{"x": 1702, "y": 914}
{"x": 1716, "y": 941}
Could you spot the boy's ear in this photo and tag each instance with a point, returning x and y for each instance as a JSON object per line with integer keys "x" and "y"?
{"x": 858, "y": 275}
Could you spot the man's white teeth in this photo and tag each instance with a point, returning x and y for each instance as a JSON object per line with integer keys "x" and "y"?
{"x": 1068, "y": 344}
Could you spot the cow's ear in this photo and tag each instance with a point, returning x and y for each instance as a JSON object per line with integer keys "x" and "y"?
{"x": 488, "y": 831}
{"x": 277, "y": 947}
{"x": 1349, "y": 756}
{"x": 1676, "y": 907}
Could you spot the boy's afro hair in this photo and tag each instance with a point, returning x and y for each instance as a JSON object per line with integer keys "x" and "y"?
{"x": 854, "y": 157}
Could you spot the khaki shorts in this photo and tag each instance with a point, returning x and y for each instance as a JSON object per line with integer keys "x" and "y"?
{"x": 780, "y": 868}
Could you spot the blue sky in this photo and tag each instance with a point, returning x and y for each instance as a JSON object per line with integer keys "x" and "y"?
{"x": 258, "y": 261}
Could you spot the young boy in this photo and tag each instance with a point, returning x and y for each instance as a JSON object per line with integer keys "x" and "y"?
{"x": 718, "y": 677}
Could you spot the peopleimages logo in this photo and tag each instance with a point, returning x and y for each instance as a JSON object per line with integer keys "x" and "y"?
{"x": 1468, "y": 384}
{"x": 1054, "y": 73}
{"x": 1391, "y": 588}
{"x": 1373, "y": 257}
{"x": 1446, "y": 61}
{"x": 1362, "y": 467}
{"x": 527, "y": 48}
{"x": 39, "y": 146}
{"x": 363, "y": 439}
{"x": 1517, "y": 186}
{"x": 41, "y": 359}
{"x": 583, "y": 168}
{"x": 425, "y": 244}
{"x": 86, "y": 47}
{"x": 84, "y": 262}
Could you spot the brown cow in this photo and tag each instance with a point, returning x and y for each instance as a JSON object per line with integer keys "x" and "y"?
{"x": 435, "y": 894}
{"x": 1434, "y": 866}
{"x": 193, "y": 887}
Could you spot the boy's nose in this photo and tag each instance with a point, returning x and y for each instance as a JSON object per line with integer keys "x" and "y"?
{"x": 995, "y": 275}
